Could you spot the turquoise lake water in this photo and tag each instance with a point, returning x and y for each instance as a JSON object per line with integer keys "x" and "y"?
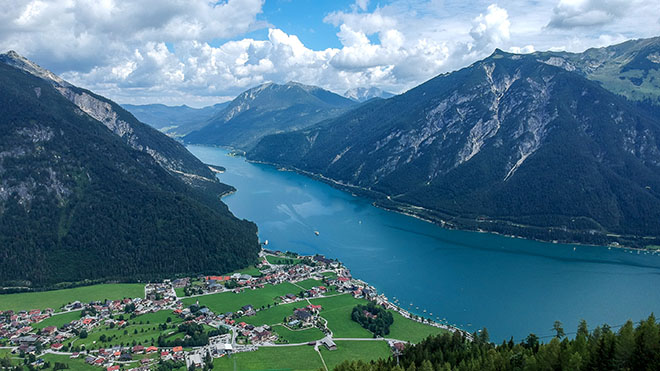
{"x": 511, "y": 286}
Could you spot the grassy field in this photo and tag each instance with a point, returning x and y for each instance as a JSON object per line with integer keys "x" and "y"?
{"x": 408, "y": 330}
{"x": 330, "y": 275}
{"x": 231, "y": 302}
{"x": 251, "y": 270}
{"x": 355, "y": 350}
{"x": 76, "y": 364}
{"x": 146, "y": 326}
{"x": 337, "y": 310}
{"x": 58, "y": 320}
{"x": 57, "y": 298}
{"x": 301, "y": 336}
{"x": 179, "y": 292}
{"x": 301, "y": 358}
{"x": 274, "y": 314}
{"x": 282, "y": 260}
{"x": 308, "y": 284}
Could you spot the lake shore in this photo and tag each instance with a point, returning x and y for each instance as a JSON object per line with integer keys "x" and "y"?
{"x": 481, "y": 224}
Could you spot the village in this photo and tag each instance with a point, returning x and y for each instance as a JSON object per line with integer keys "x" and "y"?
{"x": 206, "y": 335}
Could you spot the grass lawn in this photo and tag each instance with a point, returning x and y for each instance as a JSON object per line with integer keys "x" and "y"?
{"x": 273, "y": 315}
{"x": 308, "y": 284}
{"x": 231, "y": 302}
{"x": 355, "y": 350}
{"x": 145, "y": 331}
{"x": 330, "y": 275}
{"x": 282, "y": 260}
{"x": 76, "y": 364}
{"x": 301, "y": 358}
{"x": 179, "y": 292}
{"x": 57, "y": 298}
{"x": 337, "y": 310}
{"x": 251, "y": 270}
{"x": 409, "y": 330}
{"x": 302, "y": 336}
{"x": 58, "y": 320}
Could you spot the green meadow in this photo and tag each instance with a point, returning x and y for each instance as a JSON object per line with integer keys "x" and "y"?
{"x": 57, "y": 298}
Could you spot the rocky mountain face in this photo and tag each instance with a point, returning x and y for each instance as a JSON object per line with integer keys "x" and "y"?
{"x": 365, "y": 94}
{"x": 631, "y": 69}
{"x": 169, "y": 153}
{"x": 87, "y": 194}
{"x": 267, "y": 109}
{"x": 175, "y": 121}
{"x": 512, "y": 144}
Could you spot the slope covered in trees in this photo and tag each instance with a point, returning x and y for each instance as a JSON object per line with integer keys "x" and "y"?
{"x": 628, "y": 348}
{"x": 79, "y": 203}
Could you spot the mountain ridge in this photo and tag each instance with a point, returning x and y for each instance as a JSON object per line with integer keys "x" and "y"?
{"x": 78, "y": 203}
{"x": 464, "y": 148}
{"x": 266, "y": 109}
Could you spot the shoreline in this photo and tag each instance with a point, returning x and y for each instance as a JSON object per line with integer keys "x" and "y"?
{"x": 404, "y": 209}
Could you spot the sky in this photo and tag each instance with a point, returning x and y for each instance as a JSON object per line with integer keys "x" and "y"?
{"x": 202, "y": 52}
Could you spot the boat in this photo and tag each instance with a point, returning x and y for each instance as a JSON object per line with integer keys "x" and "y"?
{"x": 316, "y": 233}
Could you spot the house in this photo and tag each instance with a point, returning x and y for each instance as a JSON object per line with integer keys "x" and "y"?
{"x": 151, "y": 349}
{"x": 195, "y": 359}
{"x": 398, "y": 347}
{"x": 113, "y": 368}
{"x": 328, "y": 343}
{"x": 302, "y": 315}
{"x": 177, "y": 349}
{"x": 138, "y": 349}
{"x": 48, "y": 330}
{"x": 57, "y": 346}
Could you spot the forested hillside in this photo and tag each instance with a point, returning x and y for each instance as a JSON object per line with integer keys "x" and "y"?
{"x": 79, "y": 203}
{"x": 631, "y": 347}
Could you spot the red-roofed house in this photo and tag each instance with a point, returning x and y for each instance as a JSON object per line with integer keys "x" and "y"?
{"x": 113, "y": 368}
{"x": 57, "y": 346}
{"x": 177, "y": 349}
{"x": 151, "y": 349}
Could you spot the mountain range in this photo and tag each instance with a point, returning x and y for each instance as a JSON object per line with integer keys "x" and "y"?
{"x": 631, "y": 69}
{"x": 365, "y": 94}
{"x": 267, "y": 109}
{"x": 538, "y": 145}
{"x": 175, "y": 121}
{"x": 87, "y": 192}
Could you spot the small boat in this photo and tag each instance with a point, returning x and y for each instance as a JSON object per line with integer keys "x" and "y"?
{"x": 316, "y": 233}
{"x": 266, "y": 243}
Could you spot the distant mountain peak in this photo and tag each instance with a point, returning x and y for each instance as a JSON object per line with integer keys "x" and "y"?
{"x": 362, "y": 94}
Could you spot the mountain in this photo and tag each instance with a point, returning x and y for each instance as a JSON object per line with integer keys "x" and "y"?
{"x": 631, "y": 69}
{"x": 267, "y": 109}
{"x": 174, "y": 121}
{"x": 365, "y": 94}
{"x": 86, "y": 200}
{"x": 509, "y": 144}
{"x": 169, "y": 153}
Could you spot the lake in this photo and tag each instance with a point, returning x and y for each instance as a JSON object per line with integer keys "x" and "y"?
{"x": 511, "y": 286}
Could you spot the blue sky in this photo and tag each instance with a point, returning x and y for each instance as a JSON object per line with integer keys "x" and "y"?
{"x": 199, "y": 52}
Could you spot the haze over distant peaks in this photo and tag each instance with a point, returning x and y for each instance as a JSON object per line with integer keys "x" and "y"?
{"x": 364, "y": 94}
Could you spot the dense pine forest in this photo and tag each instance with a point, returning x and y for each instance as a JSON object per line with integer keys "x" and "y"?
{"x": 629, "y": 347}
